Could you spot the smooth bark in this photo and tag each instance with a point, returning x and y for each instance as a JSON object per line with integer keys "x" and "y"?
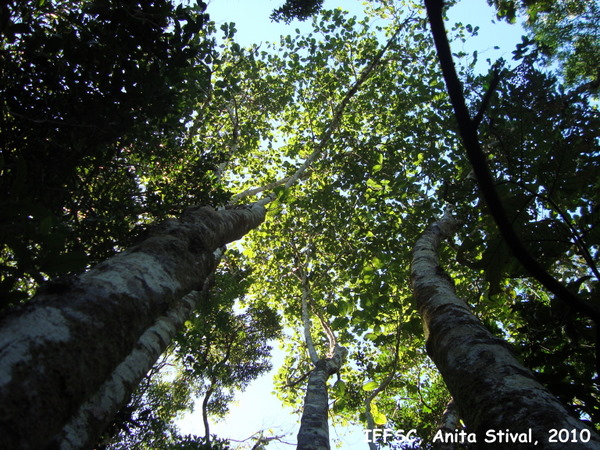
{"x": 492, "y": 390}
{"x": 58, "y": 351}
{"x": 314, "y": 429}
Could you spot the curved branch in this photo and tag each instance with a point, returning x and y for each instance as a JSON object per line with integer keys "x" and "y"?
{"x": 205, "y": 401}
{"x": 327, "y": 329}
{"x": 324, "y": 139}
{"x": 314, "y": 357}
{"x": 468, "y": 132}
{"x": 300, "y": 273}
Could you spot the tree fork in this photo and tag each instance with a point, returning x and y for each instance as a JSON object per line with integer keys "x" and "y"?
{"x": 492, "y": 389}
{"x": 59, "y": 349}
{"x": 314, "y": 429}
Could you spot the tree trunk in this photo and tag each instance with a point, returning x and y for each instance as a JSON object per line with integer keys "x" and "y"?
{"x": 499, "y": 399}
{"x": 83, "y": 428}
{"x": 448, "y": 424}
{"x": 205, "y": 401}
{"x": 59, "y": 351}
{"x": 314, "y": 430}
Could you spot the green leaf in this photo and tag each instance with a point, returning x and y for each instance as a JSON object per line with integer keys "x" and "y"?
{"x": 371, "y": 336}
{"x": 339, "y": 387}
{"x": 377, "y": 263}
{"x": 333, "y": 309}
{"x": 373, "y": 184}
{"x": 370, "y": 386}
{"x": 379, "y": 418}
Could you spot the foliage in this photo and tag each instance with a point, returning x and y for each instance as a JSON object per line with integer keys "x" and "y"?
{"x": 389, "y": 169}
{"x": 95, "y": 99}
{"x": 192, "y": 120}
{"x": 296, "y": 9}
{"x": 221, "y": 352}
{"x": 217, "y": 354}
{"x": 564, "y": 31}
{"x": 544, "y": 152}
{"x": 146, "y": 421}
{"x": 196, "y": 443}
{"x": 339, "y": 223}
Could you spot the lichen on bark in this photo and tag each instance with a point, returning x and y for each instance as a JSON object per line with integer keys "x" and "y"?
{"x": 314, "y": 428}
{"x": 92, "y": 323}
{"x": 492, "y": 390}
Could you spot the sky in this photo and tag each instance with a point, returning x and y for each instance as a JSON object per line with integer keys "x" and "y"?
{"x": 257, "y": 409}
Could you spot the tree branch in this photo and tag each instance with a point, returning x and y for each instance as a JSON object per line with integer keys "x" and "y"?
{"x": 469, "y": 135}
{"x": 324, "y": 139}
{"x": 488, "y": 96}
{"x": 314, "y": 357}
{"x": 327, "y": 329}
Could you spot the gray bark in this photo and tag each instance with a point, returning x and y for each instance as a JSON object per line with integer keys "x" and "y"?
{"x": 448, "y": 424}
{"x": 83, "y": 428}
{"x": 59, "y": 351}
{"x": 492, "y": 390}
{"x": 314, "y": 429}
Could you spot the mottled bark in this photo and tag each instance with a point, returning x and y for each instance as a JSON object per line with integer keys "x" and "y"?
{"x": 492, "y": 389}
{"x": 314, "y": 429}
{"x": 60, "y": 349}
{"x": 448, "y": 424}
{"x": 83, "y": 428}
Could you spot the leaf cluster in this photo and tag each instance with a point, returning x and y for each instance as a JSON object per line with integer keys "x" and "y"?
{"x": 221, "y": 351}
{"x": 296, "y": 9}
{"x": 390, "y": 167}
{"x": 566, "y": 32}
{"x": 96, "y": 101}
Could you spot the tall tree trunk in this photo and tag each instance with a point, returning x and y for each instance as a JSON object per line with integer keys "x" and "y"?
{"x": 314, "y": 429}
{"x": 59, "y": 351}
{"x": 492, "y": 389}
{"x": 87, "y": 423}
